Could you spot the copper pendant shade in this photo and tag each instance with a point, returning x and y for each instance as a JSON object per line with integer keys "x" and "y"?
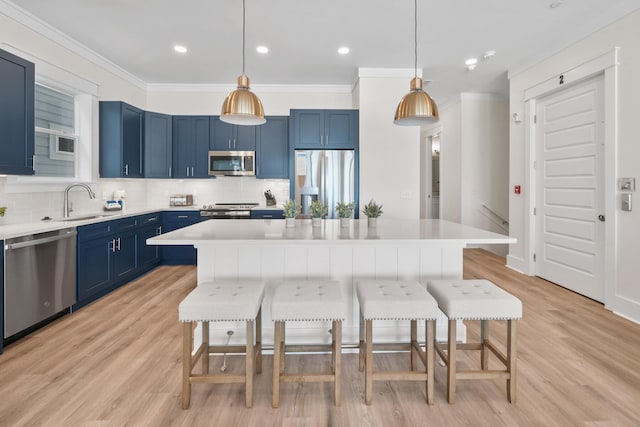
{"x": 416, "y": 107}
{"x": 243, "y": 107}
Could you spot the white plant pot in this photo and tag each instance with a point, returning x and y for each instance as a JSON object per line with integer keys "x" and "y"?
{"x": 372, "y": 222}
{"x": 316, "y": 222}
{"x": 290, "y": 222}
{"x": 345, "y": 222}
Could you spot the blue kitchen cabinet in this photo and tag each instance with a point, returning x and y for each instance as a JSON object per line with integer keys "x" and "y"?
{"x": 190, "y": 146}
{"x": 158, "y": 145}
{"x": 324, "y": 129}
{"x": 107, "y": 257}
{"x": 149, "y": 255}
{"x": 121, "y": 145}
{"x": 228, "y": 137}
{"x": 1, "y": 294}
{"x": 17, "y": 77}
{"x": 267, "y": 214}
{"x": 179, "y": 254}
{"x": 272, "y": 148}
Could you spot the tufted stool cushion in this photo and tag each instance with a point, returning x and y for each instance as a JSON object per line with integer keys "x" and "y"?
{"x": 308, "y": 301}
{"x": 474, "y": 300}
{"x": 395, "y": 300}
{"x": 222, "y": 301}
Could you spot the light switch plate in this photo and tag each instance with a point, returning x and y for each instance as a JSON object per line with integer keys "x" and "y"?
{"x": 626, "y": 184}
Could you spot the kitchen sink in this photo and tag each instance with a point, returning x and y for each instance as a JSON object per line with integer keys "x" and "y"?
{"x": 85, "y": 217}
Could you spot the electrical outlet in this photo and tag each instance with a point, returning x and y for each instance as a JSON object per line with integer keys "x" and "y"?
{"x": 405, "y": 194}
{"x": 105, "y": 196}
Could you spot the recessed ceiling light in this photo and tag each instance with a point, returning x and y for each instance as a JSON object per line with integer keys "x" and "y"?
{"x": 471, "y": 67}
{"x": 343, "y": 50}
{"x": 262, "y": 49}
{"x": 180, "y": 49}
{"x": 555, "y": 4}
{"x": 471, "y": 61}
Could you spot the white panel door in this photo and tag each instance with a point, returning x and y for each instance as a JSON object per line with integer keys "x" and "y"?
{"x": 569, "y": 182}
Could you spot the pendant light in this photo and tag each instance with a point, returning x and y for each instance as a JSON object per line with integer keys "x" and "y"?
{"x": 242, "y": 107}
{"x": 416, "y": 107}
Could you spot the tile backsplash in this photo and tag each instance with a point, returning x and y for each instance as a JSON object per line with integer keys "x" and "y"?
{"x": 30, "y": 206}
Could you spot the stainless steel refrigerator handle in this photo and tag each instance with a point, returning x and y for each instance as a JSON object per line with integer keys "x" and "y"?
{"x": 40, "y": 241}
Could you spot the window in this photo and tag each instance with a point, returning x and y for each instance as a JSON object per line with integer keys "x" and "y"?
{"x": 55, "y": 134}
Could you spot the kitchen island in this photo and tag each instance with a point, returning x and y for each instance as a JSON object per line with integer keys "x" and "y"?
{"x": 268, "y": 250}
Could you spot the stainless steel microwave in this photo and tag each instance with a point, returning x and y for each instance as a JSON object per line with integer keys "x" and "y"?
{"x": 240, "y": 163}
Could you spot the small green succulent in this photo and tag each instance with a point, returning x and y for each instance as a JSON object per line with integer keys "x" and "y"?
{"x": 3, "y": 209}
{"x": 372, "y": 209}
{"x": 291, "y": 209}
{"x": 345, "y": 209}
{"x": 318, "y": 209}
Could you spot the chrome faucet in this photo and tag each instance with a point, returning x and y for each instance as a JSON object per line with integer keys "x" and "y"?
{"x": 66, "y": 208}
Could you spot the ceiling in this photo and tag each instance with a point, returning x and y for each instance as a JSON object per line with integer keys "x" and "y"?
{"x": 303, "y": 37}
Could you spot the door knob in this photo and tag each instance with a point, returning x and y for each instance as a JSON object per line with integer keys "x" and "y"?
{"x": 601, "y": 218}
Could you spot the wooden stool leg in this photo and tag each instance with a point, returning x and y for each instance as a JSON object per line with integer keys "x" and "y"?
{"x": 249, "y": 361}
{"x": 259, "y": 342}
{"x": 333, "y": 347}
{"x": 361, "y": 345}
{"x": 205, "y": 343}
{"x": 430, "y": 332}
{"x": 451, "y": 365}
{"x": 484, "y": 338}
{"x": 511, "y": 360}
{"x": 283, "y": 345}
{"x": 414, "y": 340}
{"x": 337, "y": 327}
{"x": 277, "y": 349}
{"x": 368, "y": 364}
{"x": 187, "y": 343}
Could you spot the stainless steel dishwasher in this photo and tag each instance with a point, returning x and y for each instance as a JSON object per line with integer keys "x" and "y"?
{"x": 39, "y": 277}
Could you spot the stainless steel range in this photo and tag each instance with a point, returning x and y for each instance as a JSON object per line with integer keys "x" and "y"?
{"x": 227, "y": 211}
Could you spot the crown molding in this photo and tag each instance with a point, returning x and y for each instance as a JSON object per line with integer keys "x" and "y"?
{"x": 404, "y": 73}
{"x": 265, "y": 88}
{"x": 37, "y": 25}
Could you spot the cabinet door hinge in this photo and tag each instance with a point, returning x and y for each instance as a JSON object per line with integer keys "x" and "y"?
{"x": 534, "y": 211}
{"x": 534, "y": 257}
{"x": 535, "y": 118}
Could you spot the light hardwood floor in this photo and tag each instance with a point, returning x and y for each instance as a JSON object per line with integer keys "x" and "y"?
{"x": 117, "y": 362}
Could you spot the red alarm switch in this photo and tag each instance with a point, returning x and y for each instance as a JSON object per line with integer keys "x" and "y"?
{"x": 516, "y": 189}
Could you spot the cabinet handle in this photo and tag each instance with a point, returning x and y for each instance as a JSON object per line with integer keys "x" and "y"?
{"x": 169, "y": 171}
{"x": 229, "y": 143}
{"x": 187, "y": 171}
{"x": 112, "y": 245}
{"x": 183, "y": 216}
{"x": 159, "y": 231}
{"x": 320, "y": 139}
{"x": 267, "y": 216}
{"x": 192, "y": 171}
{"x": 126, "y": 170}
{"x": 326, "y": 140}
{"x": 234, "y": 143}
{"x": 118, "y": 244}
{"x": 33, "y": 162}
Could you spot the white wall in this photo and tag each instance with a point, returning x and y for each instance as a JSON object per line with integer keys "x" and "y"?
{"x": 389, "y": 154}
{"x": 622, "y": 281}
{"x": 474, "y": 163}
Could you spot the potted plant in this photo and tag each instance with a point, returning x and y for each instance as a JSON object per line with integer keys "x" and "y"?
{"x": 318, "y": 211}
{"x": 345, "y": 210}
{"x": 291, "y": 210}
{"x": 3, "y": 209}
{"x": 372, "y": 210}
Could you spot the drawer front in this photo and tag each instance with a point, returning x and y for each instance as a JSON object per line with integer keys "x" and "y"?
{"x": 126, "y": 224}
{"x": 92, "y": 231}
{"x": 149, "y": 219}
{"x": 186, "y": 217}
{"x": 267, "y": 214}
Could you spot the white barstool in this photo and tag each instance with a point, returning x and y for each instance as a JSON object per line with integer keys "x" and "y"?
{"x": 484, "y": 301}
{"x": 221, "y": 301}
{"x": 397, "y": 300}
{"x": 313, "y": 300}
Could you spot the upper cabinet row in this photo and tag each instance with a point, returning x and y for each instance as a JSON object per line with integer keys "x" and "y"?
{"x": 324, "y": 129}
{"x": 136, "y": 143}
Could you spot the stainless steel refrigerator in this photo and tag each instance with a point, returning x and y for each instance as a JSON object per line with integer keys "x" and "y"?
{"x": 326, "y": 175}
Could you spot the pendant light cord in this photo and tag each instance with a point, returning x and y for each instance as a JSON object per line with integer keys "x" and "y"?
{"x": 243, "y": 34}
{"x": 415, "y": 37}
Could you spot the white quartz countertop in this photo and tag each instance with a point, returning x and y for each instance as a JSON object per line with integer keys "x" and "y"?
{"x": 15, "y": 230}
{"x": 274, "y": 231}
